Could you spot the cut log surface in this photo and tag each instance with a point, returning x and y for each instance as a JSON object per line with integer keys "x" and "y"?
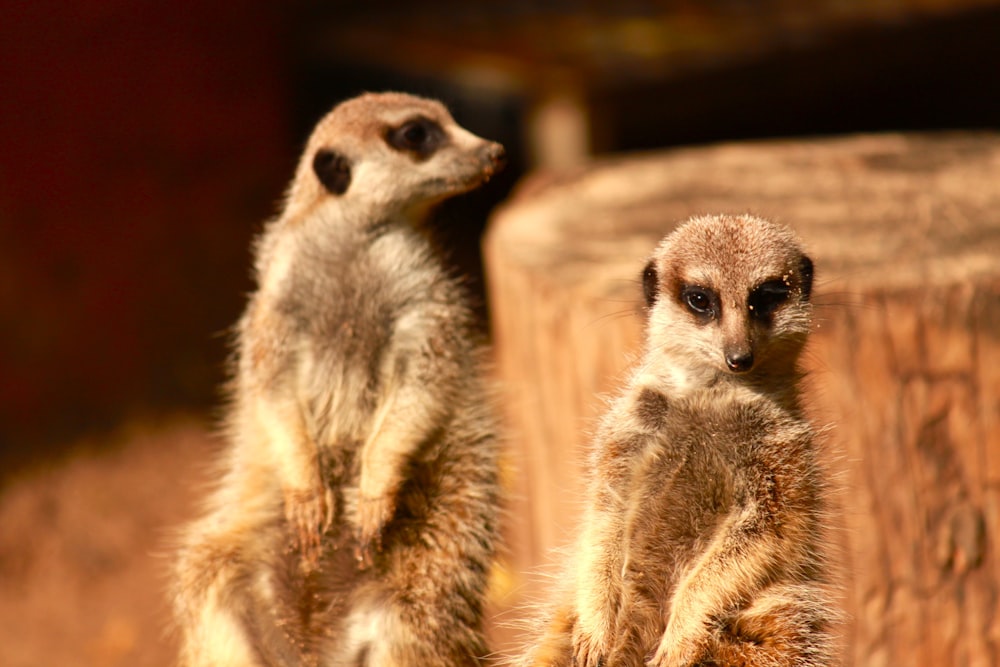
{"x": 904, "y": 362}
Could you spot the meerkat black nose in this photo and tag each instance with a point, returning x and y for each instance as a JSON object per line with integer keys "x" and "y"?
{"x": 739, "y": 362}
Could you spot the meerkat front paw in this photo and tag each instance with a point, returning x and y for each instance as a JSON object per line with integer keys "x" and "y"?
{"x": 309, "y": 513}
{"x": 676, "y": 653}
{"x": 373, "y": 515}
{"x": 589, "y": 650}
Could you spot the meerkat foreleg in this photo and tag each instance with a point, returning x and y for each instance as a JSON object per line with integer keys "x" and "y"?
{"x": 787, "y": 625}
{"x": 416, "y": 370}
{"x": 599, "y": 583}
{"x": 422, "y": 605}
{"x": 402, "y": 423}
{"x": 602, "y": 558}
{"x": 733, "y": 569}
{"x": 308, "y": 500}
{"x": 383, "y": 456}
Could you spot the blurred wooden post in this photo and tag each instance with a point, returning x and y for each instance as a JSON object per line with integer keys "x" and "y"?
{"x": 905, "y": 359}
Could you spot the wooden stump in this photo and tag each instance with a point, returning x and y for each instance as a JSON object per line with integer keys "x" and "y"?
{"x": 904, "y": 362}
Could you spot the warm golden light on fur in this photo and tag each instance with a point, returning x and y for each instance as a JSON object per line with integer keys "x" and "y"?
{"x": 701, "y": 542}
{"x": 355, "y": 516}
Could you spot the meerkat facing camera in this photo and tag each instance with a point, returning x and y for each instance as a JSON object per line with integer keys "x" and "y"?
{"x": 702, "y": 542}
{"x": 354, "y": 521}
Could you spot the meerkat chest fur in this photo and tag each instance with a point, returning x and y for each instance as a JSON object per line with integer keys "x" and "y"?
{"x": 350, "y": 292}
{"x": 710, "y": 459}
{"x": 352, "y": 305}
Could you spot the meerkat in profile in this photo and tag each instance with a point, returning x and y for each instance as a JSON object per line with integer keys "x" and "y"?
{"x": 354, "y": 520}
{"x": 702, "y": 539}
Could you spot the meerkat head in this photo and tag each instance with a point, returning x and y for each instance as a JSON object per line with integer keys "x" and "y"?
{"x": 384, "y": 153}
{"x": 727, "y": 296}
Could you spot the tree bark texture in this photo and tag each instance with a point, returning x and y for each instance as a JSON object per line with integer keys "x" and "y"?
{"x": 904, "y": 361}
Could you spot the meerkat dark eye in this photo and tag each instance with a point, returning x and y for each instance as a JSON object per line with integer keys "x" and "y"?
{"x": 701, "y": 301}
{"x": 333, "y": 170}
{"x": 649, "y": 284}
{"x": 767, "y": 297}
{"x": 420, "y": 136}
{"x": 414, "y": 135}
{"x": 698, "y": 302}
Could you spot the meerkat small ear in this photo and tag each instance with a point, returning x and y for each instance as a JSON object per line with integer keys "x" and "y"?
{"x": 806, "y": 276}
{"x": 333, "y": 170}
{"x": 650, "y": 284}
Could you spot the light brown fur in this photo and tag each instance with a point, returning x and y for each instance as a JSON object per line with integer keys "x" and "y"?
{"x": 355, "y": 516}
{"x": 702, "y": 542}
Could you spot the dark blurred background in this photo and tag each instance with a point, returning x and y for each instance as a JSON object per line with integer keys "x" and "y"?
{"x": 143, "y": 143}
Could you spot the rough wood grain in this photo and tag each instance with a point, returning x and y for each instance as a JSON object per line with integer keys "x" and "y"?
{"x": 904, "y": 363}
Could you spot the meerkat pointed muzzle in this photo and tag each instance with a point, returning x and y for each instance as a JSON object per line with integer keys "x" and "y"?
{"x": 495, "y": 156}
{"x": 494, "y": 159}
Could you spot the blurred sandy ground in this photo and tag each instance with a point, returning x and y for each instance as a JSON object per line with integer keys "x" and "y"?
{"x": 83, "y": 546}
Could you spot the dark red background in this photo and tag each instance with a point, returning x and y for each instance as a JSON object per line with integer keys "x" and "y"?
{"x": 140, "y": 144}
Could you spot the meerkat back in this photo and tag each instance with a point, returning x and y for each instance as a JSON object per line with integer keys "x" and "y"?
{"x": 354, "y": 519}
{"x": 702, "y": 542}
